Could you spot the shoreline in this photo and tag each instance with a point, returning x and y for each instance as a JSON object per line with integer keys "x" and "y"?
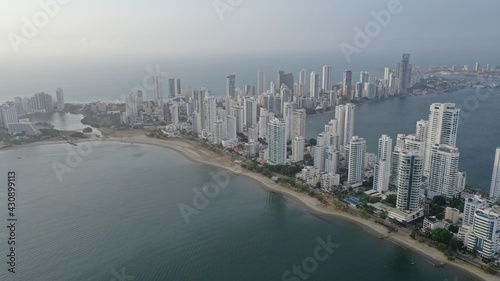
{"x": 193, "y": 151}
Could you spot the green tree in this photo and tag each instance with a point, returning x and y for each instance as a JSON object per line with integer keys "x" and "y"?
{"x": 441, "y": 235}
{"x": 440, "y": 200}
{"x": 391, "y": 200}
{"x": 313, "y": 142}
{"x": 453, "y": 228}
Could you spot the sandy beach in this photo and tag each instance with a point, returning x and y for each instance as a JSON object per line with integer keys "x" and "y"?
{"x": 194, "y": 151}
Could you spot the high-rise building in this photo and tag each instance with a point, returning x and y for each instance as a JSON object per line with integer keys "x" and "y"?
{"x": 276, "y": 141}
{"x": 331, "y": 160}
{"x": 231, "y": 128}
{"x": 8, "y": 114}
{"x": 298, "y": 149}
{"x": 421, "y": 132}
{"x": 314, "y": 86}
{"x": 264, "y": 119}
{"x": 356, "y": 157}
{"x": 363, "y": 77}
{"x": 231, "y": 85}
{"x": 347, "y": 84}
{"x": 261, "y": 82}
{"x": 174, "y": 114}
{"x": 495, "y": 178}
{"x": 158, "y": 88}
{"x": 217, "y": 134}
{"x": 299, "y": 123}
{"x": 443, "y": 171}
{"x": 177, "y": 88}
{"x": 471, "y": 204}
{"x": 349, "y": 122}
{"x": 210, "y": 110}
{"x": 285, "y": 78}
{"x": 327, "y": 78}
{"x": 442, "y": 129}
{"x": 403, "y": 75}
{"x": 131, "y": 108}
{"x": 485, "y": 234}
{"x": 409, "y": 180}
{"x": 60, "y": 99}
{"x": 382, "y": 169}
{"x": 302, "y": 83}
{"x": 319, "y": 157}
{"x": 239, "y": 114}
{"x": 340, "y": 114}
{"x": 171, "y": 87}
{"x": 250, "y": 112}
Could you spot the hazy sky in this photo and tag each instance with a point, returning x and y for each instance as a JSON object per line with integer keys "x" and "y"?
{"x": 100, "y": 29}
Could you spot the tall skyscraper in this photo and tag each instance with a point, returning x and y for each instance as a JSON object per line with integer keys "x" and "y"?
{"x": 340, "y": 114}
{"x": 382, "y": 169}
{"x": 409, "y": 180}
{"x": 349, "y": 122}
{"x": 314, "y": 85}
{"x": 231, "y": 85}
{"x": 171, "y": 87}
{"x": 356, "y": 157}
{"x": 363, "y": 77}
{"x": 261, "y": 82}
{"x": 495, "y": 178}
{"x": 421, "y": 131}
{"x": 285, "y": 78}
{"x": 303, "y": 82}
{"x": 276, "y": 141}
{"x": 347, "y": 84}
{"x": 319, "y": 157}
{"x": 174, "y": 114}
{"x": 299, "y": 123}
{"x": 250, "y": 117}
{"x": 60, "y": 99}
{"x": 177, "y": 88}
{"x": 443, "y": 171}
{"x": 327, "y": 78}
{"x": 442, "y": 129}
{"x": 403, "y": 76}
{"x": 158, "y": 88}
{"x": 331, "y": 160}
{"x": 298, "y": 144}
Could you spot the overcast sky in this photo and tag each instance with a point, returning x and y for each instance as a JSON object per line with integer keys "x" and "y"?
{"x": 126, "y": 29}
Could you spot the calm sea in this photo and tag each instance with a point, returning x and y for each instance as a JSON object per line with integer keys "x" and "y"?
{"x": 116, "y": 216}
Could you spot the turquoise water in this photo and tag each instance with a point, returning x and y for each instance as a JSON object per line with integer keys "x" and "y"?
{"x": 117, "y": 212}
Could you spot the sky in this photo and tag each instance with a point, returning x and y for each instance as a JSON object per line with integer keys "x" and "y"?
{"x": 123, "y": 29}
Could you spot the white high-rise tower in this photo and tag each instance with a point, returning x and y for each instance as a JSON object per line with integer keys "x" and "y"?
{"x": 495, "y": 178}
{"x": 409, "y": 180}
{"x": 327, "y": 78}
{"x": 443, "y": 171}
{"x": 383, "y": 166}
{"x": 356, "y": 152}
{"x": 276, "y": 141}
{"x": 442, "y": 129}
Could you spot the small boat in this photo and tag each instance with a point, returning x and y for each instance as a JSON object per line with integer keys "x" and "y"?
{"x": 412, "y": 263}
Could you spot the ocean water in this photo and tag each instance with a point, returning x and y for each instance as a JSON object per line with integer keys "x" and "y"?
{"x": 116, "y": 216}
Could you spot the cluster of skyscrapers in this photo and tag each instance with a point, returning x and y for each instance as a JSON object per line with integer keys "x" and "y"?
{"x": 38, "y": 103}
